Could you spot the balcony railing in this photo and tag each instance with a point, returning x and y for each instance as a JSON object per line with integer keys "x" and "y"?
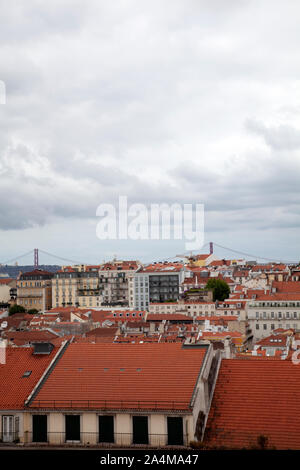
{"x": 112, "y": 405}
{"x": 26, "y": 296}
{"x": 11, "y": 437}
{"x": 93, "y": 439}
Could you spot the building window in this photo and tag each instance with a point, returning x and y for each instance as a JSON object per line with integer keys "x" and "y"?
{"x": 140, "y": 430}
{"x": 257, "y": 326}
{"x": 39, "y": 428}
{"x": 106, "y": 429}
{"x": 265, "y": 326}
{"x": 72, "y": 427}
{"x": 175, "y": 430}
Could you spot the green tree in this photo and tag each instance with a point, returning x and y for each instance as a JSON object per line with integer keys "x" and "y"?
{"x": 221, "y": 289}
{"x": 16, "y": 309}
{"x": 33, "y": 311}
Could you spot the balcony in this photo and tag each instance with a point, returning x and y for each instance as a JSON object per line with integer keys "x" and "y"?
{"x": 30, "y": 296}
{"x": 88, "y": 439}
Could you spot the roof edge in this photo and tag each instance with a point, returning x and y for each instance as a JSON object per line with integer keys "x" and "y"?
{"x": 46, "y": 373}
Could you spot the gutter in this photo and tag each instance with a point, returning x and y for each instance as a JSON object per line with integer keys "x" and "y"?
{"x": 46, "y": 373}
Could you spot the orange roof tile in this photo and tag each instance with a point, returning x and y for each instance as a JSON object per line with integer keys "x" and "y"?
{"x": 14, "y": 388}
{"x": 5, "y": 281}
{"x": 255, "y": 397}
{"x": 123, "y": 376}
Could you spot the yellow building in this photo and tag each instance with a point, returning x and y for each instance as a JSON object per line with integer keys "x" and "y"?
{"x": 34, "y": 290}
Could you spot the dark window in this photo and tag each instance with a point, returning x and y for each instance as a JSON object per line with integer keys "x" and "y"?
{"x": 39, "y": 428}
{"x": 106, "y": 429}
{"x": 175, "y": 431}
{"x": 140, "y": 429}
{"x": 72, "y": 427}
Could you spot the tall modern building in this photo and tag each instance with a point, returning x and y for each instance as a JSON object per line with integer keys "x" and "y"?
{"x": 158, "y": 282}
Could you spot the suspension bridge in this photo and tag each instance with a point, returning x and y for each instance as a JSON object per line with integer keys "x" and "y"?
{"x": 209, "y": 247}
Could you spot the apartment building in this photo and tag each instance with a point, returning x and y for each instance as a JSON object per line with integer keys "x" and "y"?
{"x": 115, "y": 280}
{"x": 132, "y": 394}
{"x": 7, "y": 287}
{"x": 93, "y": 286}
{"x": 65, "y": 287}
{"x": 193, "y": 309}
{"x": 20, "y": 372}
{"x": 34, "y": 290}
{"x": 267, "y": 312}
{"x": 158, "y": 282}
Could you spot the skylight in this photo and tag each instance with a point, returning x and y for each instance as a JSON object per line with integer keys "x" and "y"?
{"x": 27, "y": 373}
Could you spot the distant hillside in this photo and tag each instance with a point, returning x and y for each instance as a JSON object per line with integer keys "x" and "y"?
{"x": 13, "y": 271}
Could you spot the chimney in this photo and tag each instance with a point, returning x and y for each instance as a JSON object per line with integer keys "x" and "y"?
{"x": 227, "y": 348}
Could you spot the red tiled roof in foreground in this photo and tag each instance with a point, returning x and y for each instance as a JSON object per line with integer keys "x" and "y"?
{"x": 123, "y": 376}
{"x": 252, "y": 398}
{"x": 14, "y": 388}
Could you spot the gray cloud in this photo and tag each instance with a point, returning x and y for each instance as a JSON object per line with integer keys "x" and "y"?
{"x": 283, "y": 137}
{"x": 161, "y": 101}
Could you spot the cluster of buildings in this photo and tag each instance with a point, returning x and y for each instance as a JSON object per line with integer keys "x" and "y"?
{"x": 125, "y": 354}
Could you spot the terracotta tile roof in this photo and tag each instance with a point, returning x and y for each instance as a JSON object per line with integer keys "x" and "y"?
{"x": 14, "y": 388}
{"x": 221, "y": 262}
{"x": 16, "y": 320}
{"x": 217, "y": 318}
{"x": 107, "y": 332}
{"x": 280, "y": 297}
{"x": 253, "y": 397}
{"x": 36, "y": 272}
{"x": 168, "y": 317}
{"x": 25, "y": 337}
{"x": 162, "y": 267}
{"x": 290, "y": 286}
{"x": 289, "y": 331}
{"x": 123, "y": 376}
{"x": 279, "y": 341}
{"x": 269, "y": 268}
{"x": 201, "y": 256}
{"x": 100, "y": 315}
{"x": 221, "y": 334}
{"x": 67, "y": 269}
{"x": 93, "y": 339}
{"x": 116, "y": 265}
{"x": 5, "y": 281}
{"x": 241, "y": 274}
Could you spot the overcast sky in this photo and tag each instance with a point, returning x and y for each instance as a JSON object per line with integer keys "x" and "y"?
{"x": 163, "y": 101}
